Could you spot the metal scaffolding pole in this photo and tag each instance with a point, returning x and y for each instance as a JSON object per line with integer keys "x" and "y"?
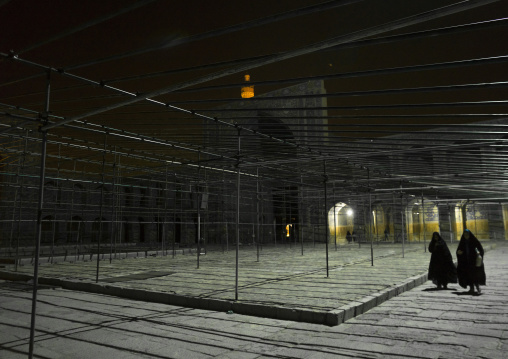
{"x": 474, "y": 217}
{"x": 174, "y": 216}
{"x": 364, "y": 221}
{"x": 300, "y": 213}
{"x": 206, "y": 220}
{"x": 262, "y": 214}
{"x": 424, "y": 232}
{"x": 223, "y": 217}
{"x": 17, "y": 188}
{"x": 286, "y": 228}
{"x": 257, "y": 211}
{"x": 113, "y": 209}
{"x": 370, "y": 220}
{"x": 334, "y": 215}
{"x": 165, "y": 223}
{"x": 237, "y": 213}
{"x": 20, "y": 201}
{"x": 198, "y": 200}
{"x": 39, "y": 216}
{"x": 450, "y": 223}
{"x": 393, "y": 216}
{"x": 100, "y": 209}
{"x": 402, "y": 219}
{"x": 326, "y": 217}
{"x": 57, "y": 199}
{"x": 83, "y": 203}
{"x": 71, "y": 222}
{"x": 118, "y": 213}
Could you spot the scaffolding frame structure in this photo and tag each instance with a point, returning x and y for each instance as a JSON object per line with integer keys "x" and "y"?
{"x": 405, "y": 138}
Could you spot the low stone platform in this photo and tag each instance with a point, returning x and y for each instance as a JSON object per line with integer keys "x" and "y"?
{"x": 282, "y": 284}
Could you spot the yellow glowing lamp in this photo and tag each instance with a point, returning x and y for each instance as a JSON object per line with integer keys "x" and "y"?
{"x": 247, "y": 91}
{"x": 287, "y": 229}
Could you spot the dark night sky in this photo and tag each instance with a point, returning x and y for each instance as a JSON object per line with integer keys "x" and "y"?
{"x": 24, "y": 23}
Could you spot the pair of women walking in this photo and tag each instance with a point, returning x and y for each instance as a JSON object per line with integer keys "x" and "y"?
{"x": 470, "y": 271}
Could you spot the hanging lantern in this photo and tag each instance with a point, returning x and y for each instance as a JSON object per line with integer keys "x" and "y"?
{"x": 247, "y": 91}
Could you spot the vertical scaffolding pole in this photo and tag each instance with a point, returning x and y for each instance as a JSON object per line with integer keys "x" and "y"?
{"x": 165, "y": 223}
{"x": 262, "y": 217}
{"x": 371, "y": 215}
{"x": 118, "y": 216}
{"x": 424, "y": 232}
{"x": 364, "y": 221}
{"x": 450, "y": 223}
{"x": 334, "y": 216}
{"x": 286, "y": 228}
{"x": 257, "y": 211}
{"x": 17, "y": 188}
{"x": 318, "y": 215}
{"x": 101, "y": 208}
{"x": 474, "y": 218}
{"x": 224, "y": 222}
{"x": 326, "y": 217}
{"x": 393, "y": 216}
{"x": 290, "y": 228}
{"x": 402, "y": 219}
{"x": 237, "y": 213}
{"x": 82, "y": 205}
{"x": 113, "y": 208}
{"x": 174, "y": 216}
{"x": 206, "y": 219}
{"x": 300, "y": 213}
{"x": 198, "y": 200}
{"x": 69, "y": 237}
{"x": 20, "y": 201}
{"x": 39, "y": 214}
{"x": 51, "y": 254}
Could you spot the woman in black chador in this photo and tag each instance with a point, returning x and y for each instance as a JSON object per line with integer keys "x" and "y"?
{"x": 441, "y": 269}
{"x": 469, "y": 269}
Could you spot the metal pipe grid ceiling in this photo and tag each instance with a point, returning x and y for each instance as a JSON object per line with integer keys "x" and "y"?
{"x": 405, "y": 138}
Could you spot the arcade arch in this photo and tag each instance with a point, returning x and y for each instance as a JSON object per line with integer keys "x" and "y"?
{"x": 340, "y": 220}
{"x": 422, "y": 219}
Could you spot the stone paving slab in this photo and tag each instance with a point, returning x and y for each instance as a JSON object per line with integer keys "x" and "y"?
{"x": 282, "y": 285}
{"x": 419, "y": 323}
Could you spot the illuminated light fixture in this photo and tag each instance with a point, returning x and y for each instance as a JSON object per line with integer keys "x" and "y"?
{"x": 349, "y": 212}
{"x": 287, "y": 229}
{"x": 247, "y": 91}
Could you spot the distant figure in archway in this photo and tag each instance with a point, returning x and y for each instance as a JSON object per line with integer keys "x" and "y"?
{"x": 441, "y": 268}
{"x": 470, "y": 268}
{"x": 349, "y": 237}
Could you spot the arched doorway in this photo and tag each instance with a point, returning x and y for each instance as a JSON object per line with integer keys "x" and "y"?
{"x": 340, "y": 221}
{"x": 423, "y": 219}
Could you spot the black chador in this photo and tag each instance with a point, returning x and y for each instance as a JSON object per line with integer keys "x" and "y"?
{"x": 441, "y": 269}
{"x": 470, "y": 272}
